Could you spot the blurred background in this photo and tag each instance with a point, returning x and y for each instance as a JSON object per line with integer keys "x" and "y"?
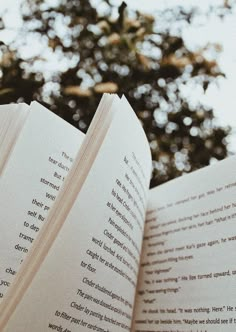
{"x": 174, "y": 60}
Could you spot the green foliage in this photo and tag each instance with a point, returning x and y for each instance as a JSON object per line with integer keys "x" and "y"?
{"x": 131, "y": 54}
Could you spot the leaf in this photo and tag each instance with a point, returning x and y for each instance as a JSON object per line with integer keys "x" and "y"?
{"x": 108, "y": 87}
{"x": 5, "y": 91}
{"x": 76, "y": 90}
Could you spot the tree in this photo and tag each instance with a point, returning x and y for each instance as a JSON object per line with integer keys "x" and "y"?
{"x": 15, "y": 84}
{"x": 132, "y": 54}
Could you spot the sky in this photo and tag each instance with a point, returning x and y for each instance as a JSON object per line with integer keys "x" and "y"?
{"x": 223, "y": 97}
{"x": 220, "y": 97}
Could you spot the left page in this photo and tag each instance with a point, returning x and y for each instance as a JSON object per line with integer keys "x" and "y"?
{"x": 7, "y": 113}
{"x": 88, "y": 278}
{"x": 29, "y": 185}
{"x": 15, "y": 116}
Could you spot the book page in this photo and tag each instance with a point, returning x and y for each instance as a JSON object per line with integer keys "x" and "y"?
{"x": 16, "y": 115}
{"x": 88, "y": 279}
{"x": 7, "y": 114}
{"x": 188, "y": 270}
{"x": 30, "y": 183}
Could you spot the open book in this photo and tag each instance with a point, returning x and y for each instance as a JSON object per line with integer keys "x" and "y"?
{"x": 86, "y": 246}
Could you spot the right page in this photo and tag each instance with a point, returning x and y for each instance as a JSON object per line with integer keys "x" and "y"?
{"x": 188, "y": 270}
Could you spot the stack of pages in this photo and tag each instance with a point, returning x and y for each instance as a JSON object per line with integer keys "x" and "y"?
{"x": 86, "y": 246}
